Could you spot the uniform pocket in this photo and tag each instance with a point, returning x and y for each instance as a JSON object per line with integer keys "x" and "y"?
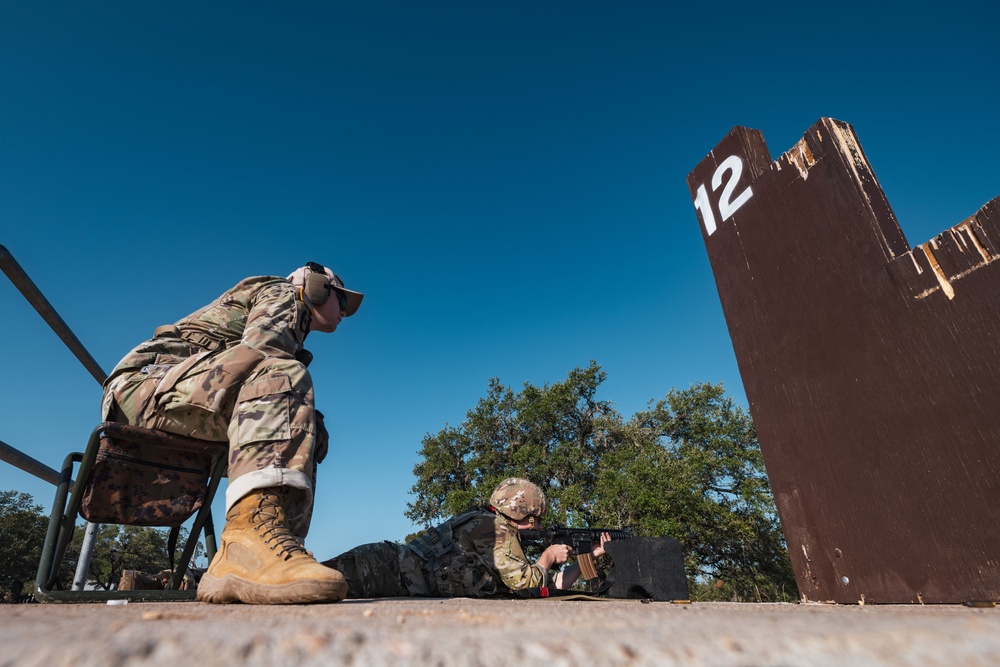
{"x": 174, "y": 375}
{"x": 207, "y": 381}
{"x": 263, "y": 410}
{"x": 464, "y": 575}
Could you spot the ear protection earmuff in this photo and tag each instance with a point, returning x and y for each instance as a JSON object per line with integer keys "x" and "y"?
{"x": 317, "y": 284}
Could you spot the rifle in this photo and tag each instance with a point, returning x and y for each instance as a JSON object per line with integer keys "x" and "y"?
{"x": 582, "y": 541}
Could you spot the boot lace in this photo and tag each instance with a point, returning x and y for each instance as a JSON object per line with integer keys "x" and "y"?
{"x": 268, "y": 520}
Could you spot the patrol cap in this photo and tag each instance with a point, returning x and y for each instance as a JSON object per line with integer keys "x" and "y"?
{"x": 298, "y": 278}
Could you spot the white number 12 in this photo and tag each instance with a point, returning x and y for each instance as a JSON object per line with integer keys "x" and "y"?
{"x": 727, "y": 205}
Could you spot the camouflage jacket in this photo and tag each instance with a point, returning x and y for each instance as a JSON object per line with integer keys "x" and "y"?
{"x": 263, "y": 313}
{"x": 476, "y": 554}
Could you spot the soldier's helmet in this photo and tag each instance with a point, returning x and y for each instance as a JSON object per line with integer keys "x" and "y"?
{"x": 518, "y": 498}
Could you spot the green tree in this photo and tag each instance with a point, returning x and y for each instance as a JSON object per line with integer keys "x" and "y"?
{"x": 118, "y": 548}
{"x": 22, "y": 532}
{"x": 552, "y": 435}
{"x": 689, "y": 467}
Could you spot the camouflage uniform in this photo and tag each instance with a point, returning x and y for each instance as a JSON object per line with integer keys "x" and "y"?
{"x": 228, "y": 372}
{"x": 477, "y": 554}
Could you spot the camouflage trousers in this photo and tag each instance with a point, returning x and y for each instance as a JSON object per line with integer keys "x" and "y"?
{"x": 385, "y": 569}
{"x": 372, "y": 570}
{"x": 263, "y": 407}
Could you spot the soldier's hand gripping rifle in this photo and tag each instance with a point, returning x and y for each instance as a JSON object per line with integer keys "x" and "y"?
{"x": 582, "y": 541}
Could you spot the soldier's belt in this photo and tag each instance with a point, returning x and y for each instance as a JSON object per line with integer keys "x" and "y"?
{"x": 203, "y": 340}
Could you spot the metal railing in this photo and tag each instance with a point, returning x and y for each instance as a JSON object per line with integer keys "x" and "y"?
{"x": 19, "y": 459}
{"x": 34, "y": 296}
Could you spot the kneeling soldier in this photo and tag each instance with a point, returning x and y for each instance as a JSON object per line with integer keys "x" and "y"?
{"x": 235, "y": 371}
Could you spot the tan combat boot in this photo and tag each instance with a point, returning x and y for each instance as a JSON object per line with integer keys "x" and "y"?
{"x": 261, "y": 562}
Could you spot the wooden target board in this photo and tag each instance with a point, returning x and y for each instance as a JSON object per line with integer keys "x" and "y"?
{"x": 872, "y": 369}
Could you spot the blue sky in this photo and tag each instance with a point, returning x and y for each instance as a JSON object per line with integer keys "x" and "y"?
{"x": 504, "y": 181}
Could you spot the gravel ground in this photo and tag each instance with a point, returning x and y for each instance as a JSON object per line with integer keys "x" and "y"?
{"x": 464, "y": 632}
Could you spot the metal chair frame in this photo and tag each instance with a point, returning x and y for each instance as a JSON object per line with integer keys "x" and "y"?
{"x": 62, "y": 522}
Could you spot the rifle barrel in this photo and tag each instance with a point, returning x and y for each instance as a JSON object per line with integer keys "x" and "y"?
{"x": 549, "y": 534}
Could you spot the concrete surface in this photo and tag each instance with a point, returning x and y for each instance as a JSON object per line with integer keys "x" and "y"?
{"x": 497, "y": 632}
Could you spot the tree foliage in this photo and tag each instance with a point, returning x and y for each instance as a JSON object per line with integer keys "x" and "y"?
{"x": 688, "y": 467}
{"x": 553, "y": 435}
{"x": 22, "y": 533}
{"x": 116, "y": 548}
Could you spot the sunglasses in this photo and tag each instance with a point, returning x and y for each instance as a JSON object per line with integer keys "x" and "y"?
{"x": 341, "y": 297}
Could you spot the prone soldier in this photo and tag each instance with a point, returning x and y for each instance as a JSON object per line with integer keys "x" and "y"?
{"x": 476, "y": 554}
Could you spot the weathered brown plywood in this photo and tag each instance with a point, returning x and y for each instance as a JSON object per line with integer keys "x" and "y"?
{"x": 872, "y": 369}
